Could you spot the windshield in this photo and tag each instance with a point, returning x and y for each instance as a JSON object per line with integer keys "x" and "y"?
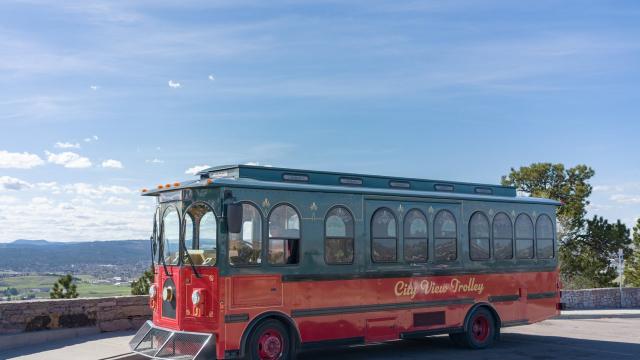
{"x": 200, "y": 237}
{"x": 171, "y": 236}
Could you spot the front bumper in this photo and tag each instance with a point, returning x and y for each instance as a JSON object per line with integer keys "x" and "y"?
{"x": 159, "y": 343}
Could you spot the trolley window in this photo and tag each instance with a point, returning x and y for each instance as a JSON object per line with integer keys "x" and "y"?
{"x": 245, "y": 247}
{"x": 339, "y": 234}
{"x": 415, "y": 236}
{"x": 446, "y": 236}
{"x": 384, "y": 239}
{"x": 284, "y": 235}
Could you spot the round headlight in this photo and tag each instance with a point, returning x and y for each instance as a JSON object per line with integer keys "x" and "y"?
{"x": 195, "y": 297}
{"x": 152, "y": 291}
{"x": 167, "y": 293}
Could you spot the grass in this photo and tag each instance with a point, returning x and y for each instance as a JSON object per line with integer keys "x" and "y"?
{"x": 26, "y": 284}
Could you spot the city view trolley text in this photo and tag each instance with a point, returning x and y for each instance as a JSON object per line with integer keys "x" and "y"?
{"x": 261, "y": 262}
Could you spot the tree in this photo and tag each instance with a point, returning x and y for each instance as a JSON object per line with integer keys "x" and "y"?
{"x": 569, "y": 186}
{"x": 589, "y": 258}
{"x": 141, "y": 286}
{"x": 552, "y": 181}
{"x": 64, "y": 288}
{"x": 632, "y": 263}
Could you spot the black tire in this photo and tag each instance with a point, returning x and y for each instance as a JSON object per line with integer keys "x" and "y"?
{"x": 269, "y": 340}
{"x": 481, "y": 330}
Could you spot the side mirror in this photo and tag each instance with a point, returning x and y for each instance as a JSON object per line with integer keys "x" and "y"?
{"x": 234, "y": 218}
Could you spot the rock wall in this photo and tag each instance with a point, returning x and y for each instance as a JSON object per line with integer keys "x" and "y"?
{"x": 107, "y": 314}
{"x": 607, "y": 298}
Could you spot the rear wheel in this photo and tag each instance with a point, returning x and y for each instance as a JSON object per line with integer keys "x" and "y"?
{"x": 270, "y": 340}
{"x": 481, "y": 330}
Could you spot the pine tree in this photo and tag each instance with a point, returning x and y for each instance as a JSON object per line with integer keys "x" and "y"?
{"x": 141, "y": 286}
{"x": 64, "y": 288}
{"x": 632, "y": 263}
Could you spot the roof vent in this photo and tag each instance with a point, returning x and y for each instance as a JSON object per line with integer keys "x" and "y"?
{"x": 444, "y": 187}
{"x": 400, "y": 184}
{"x": 295, "y": 177}
{"x": 484, "y": 191}
{"x": 350, "y": 181}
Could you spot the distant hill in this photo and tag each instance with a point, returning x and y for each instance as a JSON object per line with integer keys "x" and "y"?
{"x": 46, "y": 256}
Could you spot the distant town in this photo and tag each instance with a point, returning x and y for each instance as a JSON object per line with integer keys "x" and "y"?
{"x": 29, "y": 268}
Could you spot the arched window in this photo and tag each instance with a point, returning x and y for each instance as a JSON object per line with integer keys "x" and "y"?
{"x": 338, "y": 236}
{"x": 446, "y": 236}
{"x": 245, "y": 247}
{"x": 524, "y": 237}
{"x": 201, "y": 232}
{"x": 479, "y": 248}
{"x": 384, "y": 238}
{"x": 415, "y": 236}
{"x": 284, "y": 235}
{"x": 544, "y": 237}
{"x": 502, "y": 237}
{"x": 171, "y": 236}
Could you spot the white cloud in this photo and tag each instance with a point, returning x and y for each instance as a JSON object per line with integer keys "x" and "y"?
{"x": 8, "y": 199}
{"x": 11, "y": 183}
{"x": 69, "y": 160}
{"x": 112, "y": 200}
{"x": 211, "y": 77}
{"x": 96, "y": 191}
{"x": 174, "y": 84}
{"x": 115, "y": 164}
{"x": 67, "y": 145}
{"x": 196, "y": 169}
{"x": 94, "y": 87}
{"x": 23, "y": 160}
{"x": 42, "y": 201}
{"x": 155, "y": 161}
{"x": 91, "y": 138}
{"x": 625, "y": 199}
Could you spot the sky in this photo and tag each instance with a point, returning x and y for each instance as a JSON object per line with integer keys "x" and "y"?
{"x": 99, "y": 99}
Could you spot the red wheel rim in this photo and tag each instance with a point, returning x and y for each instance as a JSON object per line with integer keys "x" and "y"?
{"x": 480, "y": 328}
{"x": 270, "y": 345}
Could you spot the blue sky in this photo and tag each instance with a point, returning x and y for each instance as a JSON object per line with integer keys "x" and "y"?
{"x": 101, "y": 98}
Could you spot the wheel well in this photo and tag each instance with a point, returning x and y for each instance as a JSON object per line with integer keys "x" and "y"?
{"x": 491, "y": 309}
{"x": 272, "y": 315}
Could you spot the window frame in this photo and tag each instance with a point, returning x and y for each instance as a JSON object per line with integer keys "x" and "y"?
{"x": 435, "y": 237}
{"x": 197, "y": 228}
{"x": 512, "y": 238}
{"x": 488, "y": 238}
{"x": 269, "y": 238}
{"x": 162, "y": 234}
{"x": 405, "y": 237}
{"x": 533, "y": 237}
{"x": 262, "y": 242}
{"x": 371, "y": 237}
{"x": 553, "y": 237}
{"x": 353, "y": 239}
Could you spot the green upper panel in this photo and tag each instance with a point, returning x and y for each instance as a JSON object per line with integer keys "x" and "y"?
{"x": 328, "y": 178}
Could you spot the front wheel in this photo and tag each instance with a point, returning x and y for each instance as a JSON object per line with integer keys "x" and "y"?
{"x": 270, "y": 340}
{"x": 481, "y": 330}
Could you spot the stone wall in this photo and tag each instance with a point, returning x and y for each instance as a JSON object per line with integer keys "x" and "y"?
{"x": 106, "y": 314}
{"x": 607, "y": 298}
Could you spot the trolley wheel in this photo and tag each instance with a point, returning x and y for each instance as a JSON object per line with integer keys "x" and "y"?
{"x": 481, "y": 330}
{"x": 270, "y": 340}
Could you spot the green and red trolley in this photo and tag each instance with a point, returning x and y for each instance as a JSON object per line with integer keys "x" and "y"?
{"x": 261, "y": 262}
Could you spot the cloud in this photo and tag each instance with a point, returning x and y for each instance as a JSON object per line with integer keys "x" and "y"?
{"x": 174, "y": 84}
{"x": 69, "y": 160}
{"x": 96, "y": 191}
{"x": 112, "y": 200}
{"x": 115, "y": 164}
{"x": 91, "y": 138}
{"x": 196, "y": 169}
{"x": 94, "y": 87}
{"x": 11, "y": 183}
{"x": 211, "y": 77}
{"x": 8, "y": 199}
{"x": 23, "y": 160}
{"x": 155, "y": 161}
{"x": 67, "y": 145}
{"x": 625, "y": 199}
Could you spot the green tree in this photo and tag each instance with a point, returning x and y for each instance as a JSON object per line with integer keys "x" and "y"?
{"x": 589, "y": 258}
{"x": 569, "y": 186}
{"x": 632, "y": 263}
{"x": 64, "y": 288}
{"x": 141, "y": 286}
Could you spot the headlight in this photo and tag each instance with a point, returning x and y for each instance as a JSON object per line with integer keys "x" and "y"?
{"x": 195, "y": 297}
{"x": 153, "y": 291}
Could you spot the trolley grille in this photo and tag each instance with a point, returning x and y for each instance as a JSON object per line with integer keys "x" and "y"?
{"x": 158, "y": 343}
